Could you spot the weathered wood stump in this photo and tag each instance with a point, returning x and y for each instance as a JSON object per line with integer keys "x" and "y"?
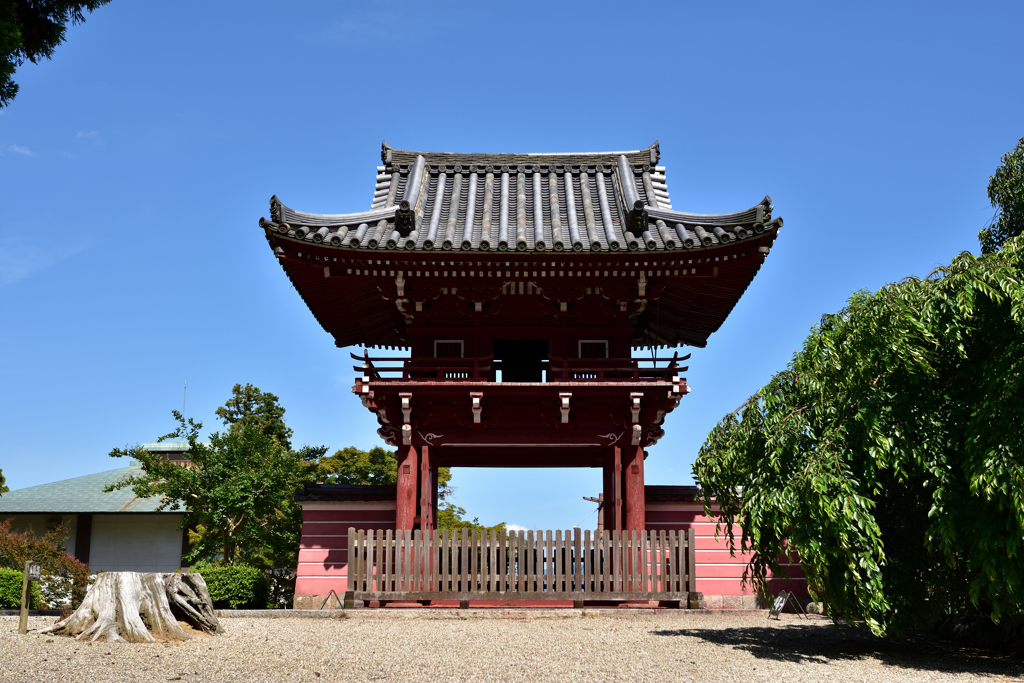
{"x": 136, "y": 607}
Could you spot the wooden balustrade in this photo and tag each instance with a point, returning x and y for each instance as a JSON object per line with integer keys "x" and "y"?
{"x": 525, "y": 566}
{"x": 601, "y": 369}
{"x": 483, "y": 369}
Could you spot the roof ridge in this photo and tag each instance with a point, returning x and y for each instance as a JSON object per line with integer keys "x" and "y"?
{"x": 392, "y": 155}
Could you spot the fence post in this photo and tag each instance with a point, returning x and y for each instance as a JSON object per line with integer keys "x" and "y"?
{"x": 692, "y": 597}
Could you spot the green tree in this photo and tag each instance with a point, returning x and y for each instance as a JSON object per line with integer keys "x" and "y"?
{"x": 889, "y": 455}
{"x": 3, "y": 483}
{"x": 450, "y": 516}
{"x": 379, "y": 466}
{"x": 239, "y": 492}
{"x": 248, "y": 405}
{"x": 376, "y": 467}
{"x": 1006, "y": 192}
{"x": 32, "y": 30}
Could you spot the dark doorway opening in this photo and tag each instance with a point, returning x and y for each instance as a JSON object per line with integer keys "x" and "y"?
{"x": 521, "y": 360}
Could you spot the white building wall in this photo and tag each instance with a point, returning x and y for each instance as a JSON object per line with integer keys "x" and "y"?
{"x": 136, "y": 542}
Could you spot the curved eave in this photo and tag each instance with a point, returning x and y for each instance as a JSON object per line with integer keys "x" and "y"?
{"x": 374, "y": 231}
{"x": 730, "y": 287}
{"x": 687, "y": 311}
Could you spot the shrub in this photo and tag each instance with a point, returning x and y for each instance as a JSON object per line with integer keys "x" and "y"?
{"x": 65, "y": 577}
{"x": 235, "y": 585}
{"x": 10, "y": 590}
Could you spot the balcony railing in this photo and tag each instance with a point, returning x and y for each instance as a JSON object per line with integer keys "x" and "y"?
{"x": 485, "y": 369}
{"x": 601, "y": 369}
{"x": 447, "y": 369}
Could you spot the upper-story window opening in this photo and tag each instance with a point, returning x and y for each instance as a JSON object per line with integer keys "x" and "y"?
{"x": 593, "y": 348}
{"x": 448, "y": 348}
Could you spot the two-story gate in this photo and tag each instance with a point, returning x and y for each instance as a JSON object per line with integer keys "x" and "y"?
{"x": 521, "y": 284}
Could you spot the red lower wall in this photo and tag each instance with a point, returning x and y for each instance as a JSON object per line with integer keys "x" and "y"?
{"x": 323, "y": 549}
{"x": 323, "y": 553}
{"x": 719, "y": 572}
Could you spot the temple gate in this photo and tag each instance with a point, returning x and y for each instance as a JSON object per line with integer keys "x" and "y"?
{"x": 520, "y": 284}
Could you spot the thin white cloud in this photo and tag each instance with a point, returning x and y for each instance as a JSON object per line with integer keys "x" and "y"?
{"x": 515, "y": 527}
{"x": 20, "y": 149}
{"x": 88, "y": 134}
{"x": 19, "y": 258}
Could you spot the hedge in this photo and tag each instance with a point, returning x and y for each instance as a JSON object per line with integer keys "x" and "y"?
{"x": 10, "y": 590}
{"x": 235, "y": 586}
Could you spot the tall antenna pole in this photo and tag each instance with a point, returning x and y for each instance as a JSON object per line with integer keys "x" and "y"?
{"x": 184, "y": 395}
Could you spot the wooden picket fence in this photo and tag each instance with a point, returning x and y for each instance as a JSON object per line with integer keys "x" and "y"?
{"x": 521, "y": 565}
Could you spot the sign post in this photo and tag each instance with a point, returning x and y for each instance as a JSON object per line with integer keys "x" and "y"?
{"x": 31, "y": 573}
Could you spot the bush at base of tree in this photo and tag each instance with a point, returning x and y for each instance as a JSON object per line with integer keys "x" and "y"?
{"x": 235, "y": 586}
{"x": 10, "y": 590}
{"x": 890, "y": 453}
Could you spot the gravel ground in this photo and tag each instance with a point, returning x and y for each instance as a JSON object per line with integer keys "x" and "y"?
{"x": 491, "y": 645}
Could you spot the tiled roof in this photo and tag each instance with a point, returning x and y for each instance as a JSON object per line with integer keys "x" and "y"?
{"x": 333, "y": 492}
{"x": 604, "y": 201}
{"x": 80, "y": 495}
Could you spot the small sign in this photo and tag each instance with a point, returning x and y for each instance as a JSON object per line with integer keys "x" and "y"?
{"x": 780, "y": 604}
{"x": 33, "y": 571}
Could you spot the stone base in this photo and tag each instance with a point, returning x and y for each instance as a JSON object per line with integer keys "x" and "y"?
{"x": 733, "y": 602}
{"x": 314, "y": 602}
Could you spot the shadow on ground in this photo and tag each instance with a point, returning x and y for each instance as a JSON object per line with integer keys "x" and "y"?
{"x": 820, "y": 642}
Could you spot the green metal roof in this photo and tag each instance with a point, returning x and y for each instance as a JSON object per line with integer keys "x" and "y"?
{"x": 81, "y": 494}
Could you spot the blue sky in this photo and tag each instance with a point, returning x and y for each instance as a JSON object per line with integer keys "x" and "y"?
{"x": 134, "y": 167}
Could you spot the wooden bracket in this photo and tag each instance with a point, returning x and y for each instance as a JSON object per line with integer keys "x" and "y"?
{"x": 634, "y": 407}
{"x": 564, "y": 399}
{"x": 406, "y": 407}
{"x": 406, "y": 435}
{"x": 637, "y": 432}
{"x": 476, "y": 397}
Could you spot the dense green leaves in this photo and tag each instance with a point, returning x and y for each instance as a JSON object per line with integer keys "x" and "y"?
{"x": 32, "y": 30}
{"x": 374, "y": 467}
{"x": 1006, "y": 192}
{"x": 451, "y": 516}
{"x": 250, "y": 406}
{"x": 890, "y": 453}
{"x": 239, "y": 492}
{"x": 236, "y": 586}
{"x": 3, "y": 484}
{"x": 11, "y": 581}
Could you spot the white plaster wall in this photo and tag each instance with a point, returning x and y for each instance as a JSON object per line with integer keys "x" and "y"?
{"x": 40, "y": 525}
{"x": 141, "y": 543}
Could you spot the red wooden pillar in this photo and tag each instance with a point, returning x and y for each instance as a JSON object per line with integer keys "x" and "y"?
{"x": 607, "y": 496}
{"x": 405, "y": 503}
{"x": 427, "y": 476}
{"x": 613, "y": 490}
{"x": 633, "y": 480}
{"x": 433, "y": 487}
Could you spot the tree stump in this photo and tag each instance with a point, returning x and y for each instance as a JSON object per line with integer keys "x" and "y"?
{"x": 135, "y": 607}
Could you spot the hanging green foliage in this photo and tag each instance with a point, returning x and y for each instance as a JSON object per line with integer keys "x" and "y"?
{"x": 890, "y": 453}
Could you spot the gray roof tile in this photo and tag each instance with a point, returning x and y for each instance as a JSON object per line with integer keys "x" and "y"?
{"x": 602, "y": 201}
{"x": 79, "y": 495}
